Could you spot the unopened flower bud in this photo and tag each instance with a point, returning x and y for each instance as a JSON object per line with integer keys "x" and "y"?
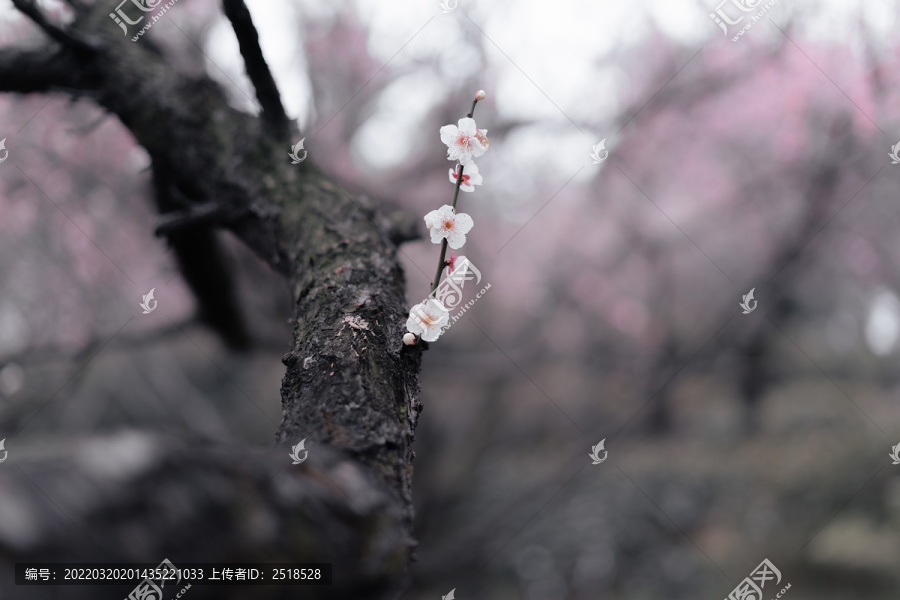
{"x": 409, "y": 339}
{"x": 479, "y": 95}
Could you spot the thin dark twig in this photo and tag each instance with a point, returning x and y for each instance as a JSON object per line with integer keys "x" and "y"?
{"x": 55, "y": 32}
{"x": 273, "y": 113}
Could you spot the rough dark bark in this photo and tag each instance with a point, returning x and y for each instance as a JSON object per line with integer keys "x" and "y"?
{"x": 351, "y": 387}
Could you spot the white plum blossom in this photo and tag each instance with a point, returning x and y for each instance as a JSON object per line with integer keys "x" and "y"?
{"x": 470, "y": 177}
{"x": 444, "y": 223}
{"x": 427, "y": 319}
{"x": 463, "y": 142}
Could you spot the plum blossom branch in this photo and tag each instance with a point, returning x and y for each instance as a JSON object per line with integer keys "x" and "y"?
{"x": 465, "y": 142}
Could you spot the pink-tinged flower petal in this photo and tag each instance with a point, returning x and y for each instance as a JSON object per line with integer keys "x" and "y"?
{"x": 432, "y": 334}
{"x": 472, "y": 150}
{"x": 463, "y": 223}
{"x": 456, "y": 240}
{"x": 443, "y": 214}
{"x": 482, "y": 138}
{"x": 457, "y": 153}
{"x": 431, "y": 219}
{"x": 440, "y": 221}
{"x": 437, "y": 234}
{"x": 467, "y": 127}
{"x": 448, "y": 133}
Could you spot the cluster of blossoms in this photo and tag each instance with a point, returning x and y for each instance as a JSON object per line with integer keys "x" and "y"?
{"x": 465, "y": 142}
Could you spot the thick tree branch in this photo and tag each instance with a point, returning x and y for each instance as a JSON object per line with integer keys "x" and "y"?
{"x": 44, "y": 70}
{"x": 351, "y": 386}
{"x": 257, "y": 69}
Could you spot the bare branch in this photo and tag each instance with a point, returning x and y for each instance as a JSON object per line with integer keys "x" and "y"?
{"x": 41, "y": 70}
{"x": 67, "y": 38}
{"x": 273, "y": 113}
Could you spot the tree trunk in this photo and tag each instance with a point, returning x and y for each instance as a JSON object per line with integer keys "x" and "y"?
{"x": 351, "y": 386}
